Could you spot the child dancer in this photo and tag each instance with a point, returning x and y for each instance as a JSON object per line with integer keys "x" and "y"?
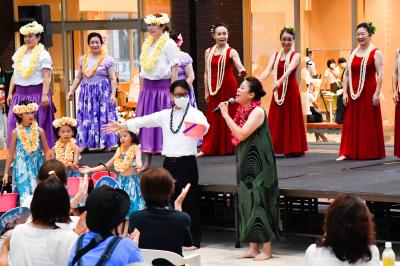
{"x": 127, "y": 162}
{"x": 27, "y": 143}
{"x": 65, "y": 150}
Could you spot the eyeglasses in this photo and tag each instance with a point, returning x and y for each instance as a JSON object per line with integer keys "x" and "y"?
{"x": 179, "y": 95}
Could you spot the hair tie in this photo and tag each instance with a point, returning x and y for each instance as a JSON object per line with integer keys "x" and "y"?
{"x": 51, "y": 172}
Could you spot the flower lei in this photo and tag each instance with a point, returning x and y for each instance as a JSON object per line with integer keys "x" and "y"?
{"x": 65, "y": 151}
{"x": 241, "y": 117}
{"x": 220, "y": 69}
{"x": 94, "y": 68}
{"x": 26, "y": 73}
{"x": 149, "y": 64}
{"x": 29, "y": 143}
{"x": 123, "y": 165}
{"x": 363, "y": 71}
{"x": 285, "y": 82}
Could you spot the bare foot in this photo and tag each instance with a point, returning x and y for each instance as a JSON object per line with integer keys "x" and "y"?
{"x": 263, "y": 256}
{"x": 248, "y": 254}
{"x": 341, "y": 158}
{"x": 199, "y": 154}
{"x": 189, "y": 248}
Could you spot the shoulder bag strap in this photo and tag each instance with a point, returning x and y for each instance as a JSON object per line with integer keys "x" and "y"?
{"x": 109, "y": 250}
{"x": 92, "y": 244}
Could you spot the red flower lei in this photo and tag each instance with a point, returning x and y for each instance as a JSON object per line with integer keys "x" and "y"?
{"x": 241, "y": 117}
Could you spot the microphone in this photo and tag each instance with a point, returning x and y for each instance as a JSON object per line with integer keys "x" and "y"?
{"x": 230, "y": 101}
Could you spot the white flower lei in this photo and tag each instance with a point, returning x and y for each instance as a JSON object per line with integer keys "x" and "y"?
{"x": 220, "y": 69}
{"x": 285, "y": 82}
{"x": 363, "y": 71}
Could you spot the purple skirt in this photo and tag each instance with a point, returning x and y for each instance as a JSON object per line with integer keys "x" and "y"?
{"x": 44, "y": 116}
{"x": 153, "y": 97}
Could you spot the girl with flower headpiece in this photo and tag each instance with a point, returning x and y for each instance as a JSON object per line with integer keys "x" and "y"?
{"x": 128, "y": 163}
{"x": 65, "y": 150}
{"x": 31, "y": 81}
{"x": 27, "y": 143}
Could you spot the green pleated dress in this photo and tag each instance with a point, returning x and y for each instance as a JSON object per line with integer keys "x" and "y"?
{"x": 258, "y": 190}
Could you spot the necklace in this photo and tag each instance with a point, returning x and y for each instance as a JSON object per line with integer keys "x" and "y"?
{"x": 29, "y": 143}
{"x": 26, "y": 73}
{"x": 363, "y": 71}
{"x": 149, "y": 64}
{"x": 220, "y": 69}
{"x": 94, "y": 68}
{"x": 65, "y": 151}
{"x": 123, "y": 165}
{"x": 285, "y": 82}
{"x": 180, "y": 124}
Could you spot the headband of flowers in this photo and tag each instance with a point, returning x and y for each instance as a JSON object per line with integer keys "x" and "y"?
{"x": 153, "y": 20}
{"x": 64, "y": 121}
{"x": 31, "y": 28}
{"x": 372, "y": 27}
{"x": 23, "y": 109}
{"x": 179, "y": 41}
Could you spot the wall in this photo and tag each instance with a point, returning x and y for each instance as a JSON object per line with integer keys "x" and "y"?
{"x": 6, "y": 33}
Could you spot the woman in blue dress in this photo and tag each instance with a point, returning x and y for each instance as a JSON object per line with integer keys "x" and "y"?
{"x": 28, "y": 141}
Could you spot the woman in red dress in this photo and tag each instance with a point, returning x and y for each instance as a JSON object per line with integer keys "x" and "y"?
{"x": 286, "y": 121}
{"x": 396, "y": 96}
{"x": 220, "y": 85}
{"x": 362, "y": 134}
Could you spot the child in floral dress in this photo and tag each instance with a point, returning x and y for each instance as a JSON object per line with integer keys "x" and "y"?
{"x": 28, "y": 141}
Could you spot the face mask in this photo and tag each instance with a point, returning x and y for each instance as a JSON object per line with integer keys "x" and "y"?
{"x": 343, "y": 65}
{"x": 332, "y": 65}
{"x": 182, "y": 101}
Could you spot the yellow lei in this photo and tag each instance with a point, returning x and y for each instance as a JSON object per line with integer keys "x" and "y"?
{"x": 94, "y": 68}
{"x": 65, "y": 151}
{"x": 29, "y": 143}
{"x": 26, "y": 73}
{"x": 149, "y": 64}
{"x": 123, "y": 165}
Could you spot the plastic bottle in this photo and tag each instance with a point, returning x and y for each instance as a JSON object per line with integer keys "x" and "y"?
{"x": 388, "y": 256}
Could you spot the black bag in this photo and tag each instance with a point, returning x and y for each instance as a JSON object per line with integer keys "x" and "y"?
{"x": 339, "y": 110}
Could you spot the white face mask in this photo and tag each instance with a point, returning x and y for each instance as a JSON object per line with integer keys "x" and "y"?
{"x": 181, "y": 101}
{"x": 343, "y": 65}
{"x": 332, "y": 66}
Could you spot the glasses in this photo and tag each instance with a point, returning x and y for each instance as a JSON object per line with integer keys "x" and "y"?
{"x": 181, "y": 95}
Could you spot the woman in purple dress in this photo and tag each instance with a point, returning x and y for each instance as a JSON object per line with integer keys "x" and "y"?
{"x": 185, "y": 68}
{"x": 96, "y": 101}
{"x": 159, "y": 61}
{"x": 31, "y": 81}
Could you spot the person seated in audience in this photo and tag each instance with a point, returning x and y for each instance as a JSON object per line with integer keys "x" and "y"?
{"x": 313, "y": 116}
{"x": 41, "y": 242}
{"x": 105, "y": 218}
{"x": 161, "y": 227}
{"x": 349, "y": 233}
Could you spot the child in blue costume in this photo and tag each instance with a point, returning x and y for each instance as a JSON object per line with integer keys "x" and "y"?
{"x": 65, "y": 150}
{"x": 127, "y": 163}
{"x": 27, "y": 142}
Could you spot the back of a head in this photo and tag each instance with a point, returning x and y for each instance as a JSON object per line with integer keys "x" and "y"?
{"x": 157, "y": 187}
{"x": 106, "y": 209}
{"x": 50, "y": 166}
{"x": 50, "y": 203}
{"x": 349, "y": 229}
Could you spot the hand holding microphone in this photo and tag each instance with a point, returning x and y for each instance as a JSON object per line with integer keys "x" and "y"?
{"x": 229, "y": 101}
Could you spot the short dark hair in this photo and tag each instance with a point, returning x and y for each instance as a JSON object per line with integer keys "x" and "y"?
{"x": 256, "y": 87}
{"x": 74, "y": 131}
{"x": 157, "y": 187}
{"x": 289, "y": 31}
{"x": 220, "y": 24}
{"x": 95, "y": 34}
{"x": 341, "y": 60}
{"x": 134, "y": 137}
{"x": 349, "y": 229}
{"x": 308, "y": 51}
{"x": 18, "y": 117}
{"x": 179, "y": 83}
{"x": 366, "y": 26}
{"x": 53, "y": 165}
{"x": 50, "y": 203}
{"x": 330, "y": 61}
{"x": 173, "y": 35}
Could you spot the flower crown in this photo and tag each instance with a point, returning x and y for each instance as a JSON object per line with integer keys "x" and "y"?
{"x": 153, "y": 20}
{"x": 31, "y": 28}
{"x": 64, "y": 121}
{"x": 23, "y": 109}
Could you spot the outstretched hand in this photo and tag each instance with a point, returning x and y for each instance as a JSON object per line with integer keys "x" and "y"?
{"x": 179, "y": 200}
{"x": 112, "y": 127}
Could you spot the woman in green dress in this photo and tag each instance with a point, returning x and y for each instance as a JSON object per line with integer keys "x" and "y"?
{"x": 255, "y": 171}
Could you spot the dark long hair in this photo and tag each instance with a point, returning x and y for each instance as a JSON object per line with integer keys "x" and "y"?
{"x": 349, "y": 229}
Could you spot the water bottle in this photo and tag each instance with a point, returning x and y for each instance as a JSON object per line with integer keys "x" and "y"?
{"x": 388, "y": 256}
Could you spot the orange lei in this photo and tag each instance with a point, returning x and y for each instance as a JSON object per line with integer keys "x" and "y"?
{"x": 65, "y": 151}
{"x": 123, "y": 165}
{"x": 94, "y": 68}
{"x": 30, "y": 143}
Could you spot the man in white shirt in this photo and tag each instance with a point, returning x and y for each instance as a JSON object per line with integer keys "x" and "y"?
{"x": 178, "y": 148}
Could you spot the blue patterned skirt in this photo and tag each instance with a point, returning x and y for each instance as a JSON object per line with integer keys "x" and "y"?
{"x": 131, "y": 185}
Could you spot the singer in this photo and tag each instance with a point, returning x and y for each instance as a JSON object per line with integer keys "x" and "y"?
{"x": 219, "y": 84}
